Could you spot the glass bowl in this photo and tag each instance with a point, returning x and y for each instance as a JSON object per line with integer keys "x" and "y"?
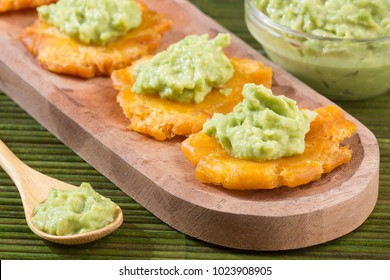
{"x": 340, "y": 69}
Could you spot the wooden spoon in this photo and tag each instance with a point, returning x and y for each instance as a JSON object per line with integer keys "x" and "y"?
{"x": 34, "y": 188}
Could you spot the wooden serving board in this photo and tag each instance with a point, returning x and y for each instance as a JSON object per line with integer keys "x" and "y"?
{"x": 85, "y": 116}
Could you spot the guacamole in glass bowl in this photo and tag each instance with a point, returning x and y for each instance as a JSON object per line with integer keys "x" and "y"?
{"x": 340, "y": 48}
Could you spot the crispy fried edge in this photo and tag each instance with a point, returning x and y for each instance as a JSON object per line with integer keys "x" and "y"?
{"x": 210, "y": 158}
{"x": 178, "y": 123}
{"x": 12, "y": 5}
{"x": 34, "y": 40}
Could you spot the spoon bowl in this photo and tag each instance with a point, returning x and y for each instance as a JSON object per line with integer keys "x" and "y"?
{"x": 34, "y": 188}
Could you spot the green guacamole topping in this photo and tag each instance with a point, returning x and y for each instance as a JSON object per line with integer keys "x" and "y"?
{"x": 262, "y": 127}
{"x": 358, "y": 19}
{"x": 187, "y": 71}
{"x": 93, "y": 21}
{"x": 68, "y": 212}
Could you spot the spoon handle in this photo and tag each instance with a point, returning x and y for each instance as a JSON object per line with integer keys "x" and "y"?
{"x": 32, "y": 185}
{"x": 24, "y": 177}
{"x": 20, "y": 174}
{"x": 12, "y": 165}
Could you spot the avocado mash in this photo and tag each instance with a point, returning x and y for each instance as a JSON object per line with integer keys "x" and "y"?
{"x": 93, "y": 21}
{"x": 348, "y": 19}
{"x": 187, "y": 71}
{"x": 340, "y": 47}
{"x": 262, "y": 127}
{"x": 68, "y": 212}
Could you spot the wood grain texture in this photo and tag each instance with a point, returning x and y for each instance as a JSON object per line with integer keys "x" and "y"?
{"x": 84, "y": 115}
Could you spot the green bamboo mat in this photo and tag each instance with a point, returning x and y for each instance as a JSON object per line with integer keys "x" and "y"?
{"x": 143, "y": 236}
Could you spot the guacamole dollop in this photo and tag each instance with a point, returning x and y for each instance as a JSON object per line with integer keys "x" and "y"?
{"x": 349, "y": 19}
{"x": 93, "y": 21}
{"x": 68, "y": 212}
{"x": 261, "y": 127}
{"x": 187, "y": 71}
